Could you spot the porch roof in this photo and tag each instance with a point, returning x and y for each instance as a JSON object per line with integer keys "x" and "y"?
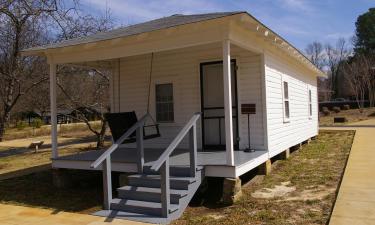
{"x": 134, "y": 40}
{"x": 157, "y": 24}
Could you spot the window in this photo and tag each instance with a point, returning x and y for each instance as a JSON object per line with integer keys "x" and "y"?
{"x": 164, "y": 102}
{"x": 286, "y": 101}
{"x": 310, "y": 104}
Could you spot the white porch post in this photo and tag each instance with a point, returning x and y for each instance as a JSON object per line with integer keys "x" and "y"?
{"x": 228, "y": 103}
{"x": 52, "y": 89}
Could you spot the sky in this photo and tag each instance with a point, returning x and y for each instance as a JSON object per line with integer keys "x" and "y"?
{"x": 298, "y": 21}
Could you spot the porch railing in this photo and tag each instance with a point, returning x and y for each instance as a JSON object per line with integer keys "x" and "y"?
{"x": 105, "y": 158}
{"x": 162, "y": 163}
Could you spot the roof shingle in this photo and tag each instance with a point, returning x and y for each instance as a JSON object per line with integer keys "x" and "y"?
{"x": 157, "y": 24}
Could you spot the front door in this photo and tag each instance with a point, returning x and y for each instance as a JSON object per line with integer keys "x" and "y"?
{"x": 212, "y": 100}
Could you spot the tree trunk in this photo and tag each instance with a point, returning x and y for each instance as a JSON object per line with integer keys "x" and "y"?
{"x": 2, "y": 130}
{"x": 3, "y": 121}
{"x": 101, "y": 135}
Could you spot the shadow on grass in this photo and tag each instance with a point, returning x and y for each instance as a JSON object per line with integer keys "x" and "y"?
{"x": 210, "y": 193}
{"x": 37, "y": 190}
{"x": 25, "y": 171}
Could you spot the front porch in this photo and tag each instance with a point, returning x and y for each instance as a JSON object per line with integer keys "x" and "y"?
{"x": 195, "y": 92}
{"x": 211, "y": 81}
{"x": 125, "y": 160}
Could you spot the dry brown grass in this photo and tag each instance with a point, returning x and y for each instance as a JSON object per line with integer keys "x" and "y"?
{"x": 63, "y": 129}
{"x": 15, "y": 155}
{"x": 312, "y": 175}
{"x": 37, "y": 190}
{"x": 26, "y": 178}
{"x": 352, "y": 115}
{"x": 31, "y": 159}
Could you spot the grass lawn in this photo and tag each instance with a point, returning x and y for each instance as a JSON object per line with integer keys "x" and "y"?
{"x": 301, "y": 190}
{"x": 15, "y": 156}
{"x": 29, "y": 160}
{"x": 37, "y": 190}
{"x": 63, "y": 129}
{"x": 352, "y": 115}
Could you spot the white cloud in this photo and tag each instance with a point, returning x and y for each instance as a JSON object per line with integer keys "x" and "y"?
{"x": 293, "y": 30}
{"x": 337, "y": 35}
{"x": 299, "y": 21}
{"x": 304, "y": 6}
{"x": 134, "y": 11}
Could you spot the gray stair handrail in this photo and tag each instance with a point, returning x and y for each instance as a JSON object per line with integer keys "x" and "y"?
{"x": 162, "y": 163}
{"x": 115, "y": 145}
{"x": 105, "y": 158}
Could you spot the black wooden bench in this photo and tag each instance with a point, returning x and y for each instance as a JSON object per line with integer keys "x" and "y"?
{"x": 119, "y": 123}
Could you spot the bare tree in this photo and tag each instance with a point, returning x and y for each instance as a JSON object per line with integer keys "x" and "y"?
{"x": 358, "y": 72}
{"x": 335, "y": 55}
{"x": 315, "y": 52}
{"x": 20, "y": 28}
{"x": 26, "y": 23}
{"x": 368, "y": 68}
{"x": 92, "y": 99}
{"x": 87, "y": 95}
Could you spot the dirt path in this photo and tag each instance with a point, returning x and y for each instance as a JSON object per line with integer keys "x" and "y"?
{"x": 19, "y": 215}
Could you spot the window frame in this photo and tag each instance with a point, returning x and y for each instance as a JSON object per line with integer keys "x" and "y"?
{"x": 158, "y": 102}
{"x": 286, "y": 118}
{"x": 309, "y": 102}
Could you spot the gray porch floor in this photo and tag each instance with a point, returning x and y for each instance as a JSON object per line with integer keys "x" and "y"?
{"x": 180, "y": 157}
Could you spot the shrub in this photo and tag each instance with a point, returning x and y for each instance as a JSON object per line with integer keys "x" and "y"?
{"x": 326, "y": 112}
{"x": 346, "y": 107}
{"x": 21, "y": 125}
{"x": 336, "y": 109}
{"x": 36, "y": 123}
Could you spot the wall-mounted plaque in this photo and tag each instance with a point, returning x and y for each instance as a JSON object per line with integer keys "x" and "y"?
{"x": 248, "y": 109}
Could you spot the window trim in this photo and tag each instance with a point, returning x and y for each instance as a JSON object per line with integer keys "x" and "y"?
{"x": 309, "y": 102}
{"x": 173, "y": 102}
{"x": 285, "y": 118}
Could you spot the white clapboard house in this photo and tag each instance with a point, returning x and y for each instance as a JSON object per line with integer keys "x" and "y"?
{"x": 226, "y": 93}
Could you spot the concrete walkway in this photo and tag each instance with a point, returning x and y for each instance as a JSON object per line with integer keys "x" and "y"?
{"x": 19, "y": 215}
{"x": 355, "y": 204}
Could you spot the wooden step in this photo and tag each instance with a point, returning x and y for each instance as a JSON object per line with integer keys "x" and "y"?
{"x": 143, "y": 207}
{"x": 149, "y": 194}
{"x": 177, "y": 171}
{"x": 153, "y": 181}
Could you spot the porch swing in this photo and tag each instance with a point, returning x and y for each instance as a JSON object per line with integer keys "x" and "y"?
{"x": 119, "y": 123}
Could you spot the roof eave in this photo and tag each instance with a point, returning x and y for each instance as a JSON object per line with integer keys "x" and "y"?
{"x": 33, "y": 52}
{"x": 38, "y": 51}
{"x": 270, "y": 32}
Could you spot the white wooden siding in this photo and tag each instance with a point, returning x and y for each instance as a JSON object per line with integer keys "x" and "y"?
{"x": 282, "y": 135}
{"x": 250, "y": 92}
{"x": 181, "y": 67}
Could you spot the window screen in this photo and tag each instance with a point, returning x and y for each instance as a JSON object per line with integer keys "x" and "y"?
{"x": 164, "y": 103}
{"x": 310, "y": 104}
{"x": 286, "y": 100}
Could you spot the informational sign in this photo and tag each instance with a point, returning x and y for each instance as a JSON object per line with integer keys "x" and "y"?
{"x": 248, "y": 108}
